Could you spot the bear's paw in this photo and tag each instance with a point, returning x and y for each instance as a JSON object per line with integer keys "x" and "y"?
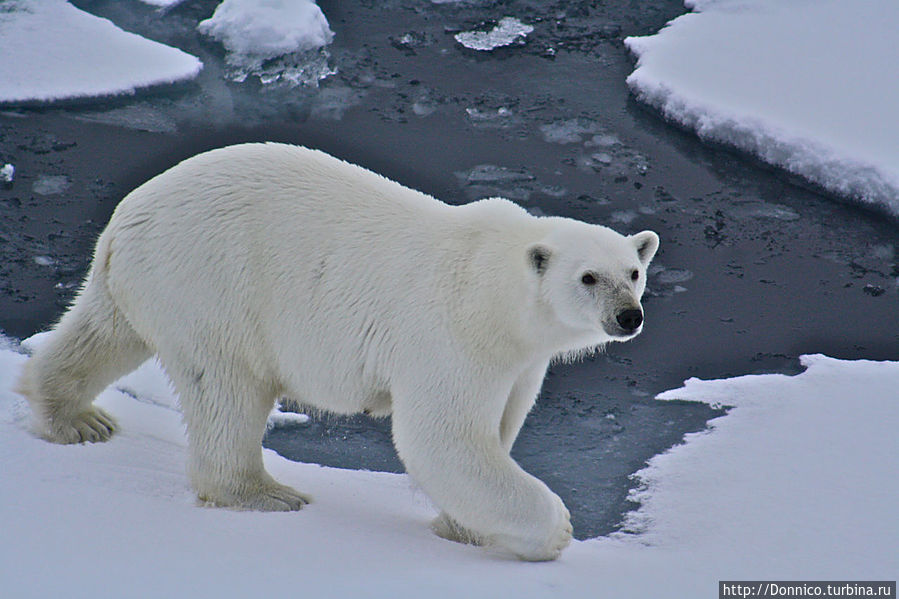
{"x": 90, "y": 426}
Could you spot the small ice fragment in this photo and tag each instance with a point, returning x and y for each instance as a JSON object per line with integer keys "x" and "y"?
{"x": 602, "y": 158}
{"x": 277, "y": 418}
{"x": 508, "y": 31}
{"x": 670, "y": 276}
{"x": 43, "y": 260}
{"x": 478, "y": 115}
{"x": 623, "y": 216}
{"x": 566, "y": 132}
{"x": 490, "y": 173}
{"x": 7, "y": 173}
{"x": 605, "y": 140}
{"x": 422, "y": 109}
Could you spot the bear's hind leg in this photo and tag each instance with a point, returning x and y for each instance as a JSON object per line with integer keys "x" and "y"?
{"x": 225, "y": 414}
{"x": 91, "y": 347}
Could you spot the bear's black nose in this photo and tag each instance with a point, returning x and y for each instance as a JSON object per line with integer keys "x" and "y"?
{"x": 630, "y": 320}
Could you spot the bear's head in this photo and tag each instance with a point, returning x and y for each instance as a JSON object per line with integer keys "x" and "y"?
{"x": 590, "y": 280}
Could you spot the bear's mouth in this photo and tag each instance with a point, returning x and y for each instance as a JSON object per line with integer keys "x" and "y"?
{"x": 619, "y": 333}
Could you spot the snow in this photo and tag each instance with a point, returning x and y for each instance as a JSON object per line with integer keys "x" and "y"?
{"x": 808, "y": 86}
{"x": 797, "y": 481}
{"x": 255, "y": 33}
{"x": 50, "y": 50}
{"x": 507, "y": 32}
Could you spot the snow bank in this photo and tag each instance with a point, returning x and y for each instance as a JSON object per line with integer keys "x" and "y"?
{"x": 50, "y": 50}
{"x": 798, "y": 481}
{"x": 255, "y": 33}
{"x": 810, "y": 87}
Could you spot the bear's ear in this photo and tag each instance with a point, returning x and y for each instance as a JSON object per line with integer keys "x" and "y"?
{"x": 647, "y": 243}
{"x": 538, "y": 257}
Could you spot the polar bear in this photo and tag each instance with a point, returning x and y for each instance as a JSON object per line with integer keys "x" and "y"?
{"x": 259, "y": 271}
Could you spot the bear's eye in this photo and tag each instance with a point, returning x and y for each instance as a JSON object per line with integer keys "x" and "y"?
{"x": 588, "y": 279}
{"x": 635, "y": 274}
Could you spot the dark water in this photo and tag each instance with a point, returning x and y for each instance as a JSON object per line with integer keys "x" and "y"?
{"x": 754, "y": 268}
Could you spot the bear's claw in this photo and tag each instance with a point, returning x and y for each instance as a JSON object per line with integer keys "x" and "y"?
{"x": 91, "y": 426}
{"x": 447, "y": 528}
{"x": 278, "y": 499}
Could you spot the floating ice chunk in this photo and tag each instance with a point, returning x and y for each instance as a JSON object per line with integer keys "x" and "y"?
{"x": 769, "y": 211}
{"x": 411, "y": 41}
{"x": 671, "y": 276}
{"x": 604, "y": 140}
{"x": 623, "y": 217}
{"x": 141, "y": 117}
{"x": 488, "y": 117}
{"x": 490, "y": 173}
{"x": 7, "y": 173}
{"x": 48, "y": 185}
{"x": 489, "y": 180}
{"x": 425, "y": 103}
{"x": 277, "y": 40}
{"x": 476, "y": 114}
{"x": 332, "y": 103}
{"x": 507, "y": 32}
{"x": 50, "y": 50}
{"x": 422, "y": 108}
{"x": 43, "y": 260}
{"x": 569, "y": 131}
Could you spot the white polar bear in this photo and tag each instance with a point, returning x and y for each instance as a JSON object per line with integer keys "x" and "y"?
{"x": 265, "y": 270}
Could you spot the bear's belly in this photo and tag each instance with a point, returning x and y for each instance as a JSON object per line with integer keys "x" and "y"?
{"x": 378, "y": 403}
{"x": 340, "y": 398}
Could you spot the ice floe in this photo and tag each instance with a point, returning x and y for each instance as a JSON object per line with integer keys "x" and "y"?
{"x": 810, "y": 87}
{"x": 50, "y": 50}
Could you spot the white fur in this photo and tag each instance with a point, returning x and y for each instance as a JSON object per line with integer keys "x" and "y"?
{"x": 266, "y": 270}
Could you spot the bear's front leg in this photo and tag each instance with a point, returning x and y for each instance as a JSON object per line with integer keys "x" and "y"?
{"x": 452, "y": 448}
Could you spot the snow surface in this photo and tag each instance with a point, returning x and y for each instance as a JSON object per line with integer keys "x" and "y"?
{"x": 808, "y": 86}
{"x": 50, "y": 50}
{"x": 798, "y": 481}
{"x": 255, "y": 32}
